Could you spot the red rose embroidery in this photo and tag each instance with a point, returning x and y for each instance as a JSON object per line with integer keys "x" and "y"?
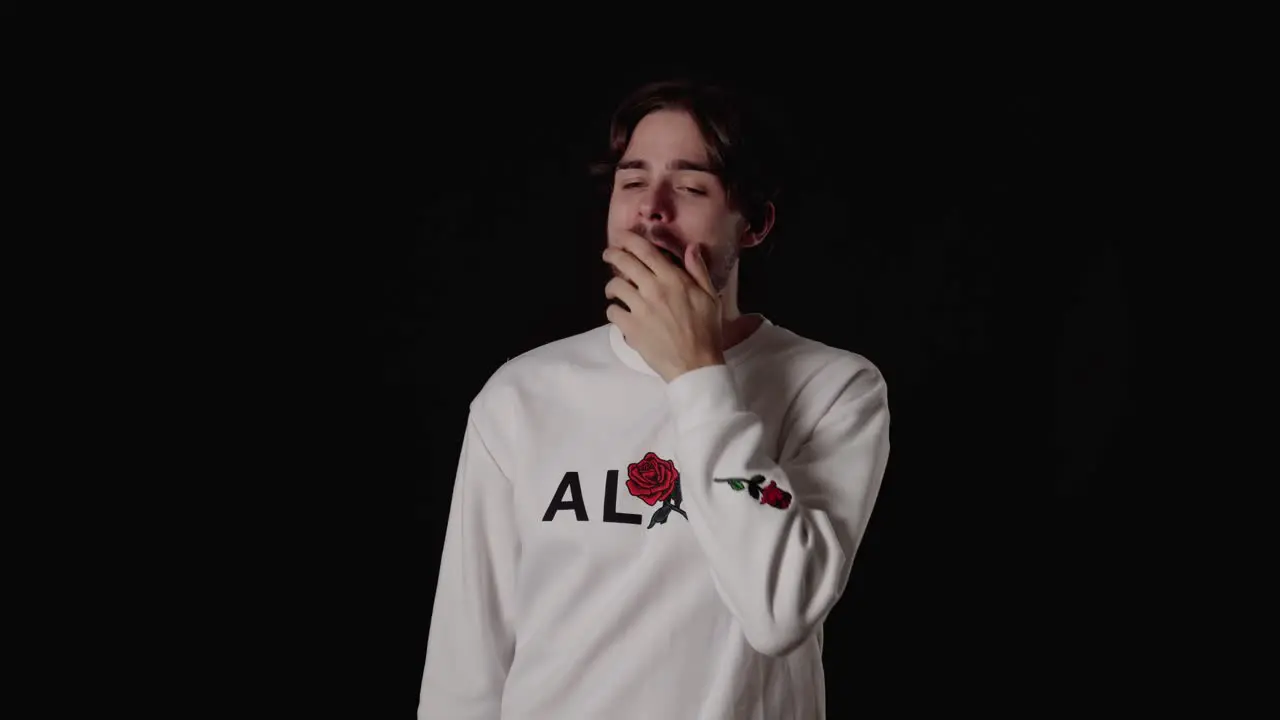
{"x": 652, "y": 479}
{"x": 775, "y": 496}
{"x": 771, "y": 495}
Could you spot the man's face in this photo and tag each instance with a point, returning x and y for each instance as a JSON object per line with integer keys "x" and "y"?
{"x": 663, "y": 191}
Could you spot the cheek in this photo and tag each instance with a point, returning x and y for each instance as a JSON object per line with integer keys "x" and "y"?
{"x": 712, "y": 235}
{"x": 620, "y": 206}
{"x": 730, "y": 226}
{"x": 712, "y": 225}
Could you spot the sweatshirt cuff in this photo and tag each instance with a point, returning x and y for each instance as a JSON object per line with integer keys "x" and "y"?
{"x": 704, "y": 394}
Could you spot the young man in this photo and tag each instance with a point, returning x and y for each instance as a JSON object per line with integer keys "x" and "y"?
{"x": 653, "y": 518}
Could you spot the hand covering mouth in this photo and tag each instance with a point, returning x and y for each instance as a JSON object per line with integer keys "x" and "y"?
{"x": 674, "y": 258}
{"x": 666, "y": 242}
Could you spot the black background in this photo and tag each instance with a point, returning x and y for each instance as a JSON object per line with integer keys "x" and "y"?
{"x": 415, "y": 218}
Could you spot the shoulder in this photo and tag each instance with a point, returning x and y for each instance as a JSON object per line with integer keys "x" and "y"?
{"x": 540, "y": 369}
{"x": 823, "y": 364}
{"x": 832, "y": 393}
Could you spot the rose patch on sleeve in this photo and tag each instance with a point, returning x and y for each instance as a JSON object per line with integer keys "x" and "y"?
{"x": 654, "y": 480}
{"x": 771, "y": 495}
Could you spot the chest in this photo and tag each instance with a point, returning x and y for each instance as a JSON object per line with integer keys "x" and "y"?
{"x": 608, "y": 477}
{"x": 600, "y": 473}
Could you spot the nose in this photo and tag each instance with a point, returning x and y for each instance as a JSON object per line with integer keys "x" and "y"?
{"x": 656, "y": 205}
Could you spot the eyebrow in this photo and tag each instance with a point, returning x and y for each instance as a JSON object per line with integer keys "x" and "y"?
{"x": 673, "y": 165}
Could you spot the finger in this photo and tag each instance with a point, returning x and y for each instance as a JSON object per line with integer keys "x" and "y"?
{"x": 647, "y": 253}
{"x": 618, "y": 316}
{"x": 629, "y": 265}
{"x": 698, "y": 269}
{"x": 620, "y": 289}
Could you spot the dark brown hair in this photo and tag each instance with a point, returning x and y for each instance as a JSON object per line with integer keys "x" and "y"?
{"x": 741, "y": 146}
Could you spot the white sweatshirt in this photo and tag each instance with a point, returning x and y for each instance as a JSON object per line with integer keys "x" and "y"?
{"x": 622, "y": 548}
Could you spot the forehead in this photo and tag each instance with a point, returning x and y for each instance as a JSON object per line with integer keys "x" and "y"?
{"x": 665, "y": 135}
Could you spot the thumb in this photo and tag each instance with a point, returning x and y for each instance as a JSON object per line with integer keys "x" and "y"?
{"x": 698, "y": 269}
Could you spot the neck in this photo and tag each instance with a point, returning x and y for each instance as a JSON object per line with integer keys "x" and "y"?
{"x": 735, "y": 327}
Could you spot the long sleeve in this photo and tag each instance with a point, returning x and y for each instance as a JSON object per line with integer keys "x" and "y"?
{"x": 780, "y": 537}
{"x": 472, "y": 636}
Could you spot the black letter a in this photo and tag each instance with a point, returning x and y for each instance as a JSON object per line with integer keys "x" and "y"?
{"x": 570, "y": 481}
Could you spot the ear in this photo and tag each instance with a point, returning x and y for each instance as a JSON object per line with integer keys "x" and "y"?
{"x": 752, "y": 236}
